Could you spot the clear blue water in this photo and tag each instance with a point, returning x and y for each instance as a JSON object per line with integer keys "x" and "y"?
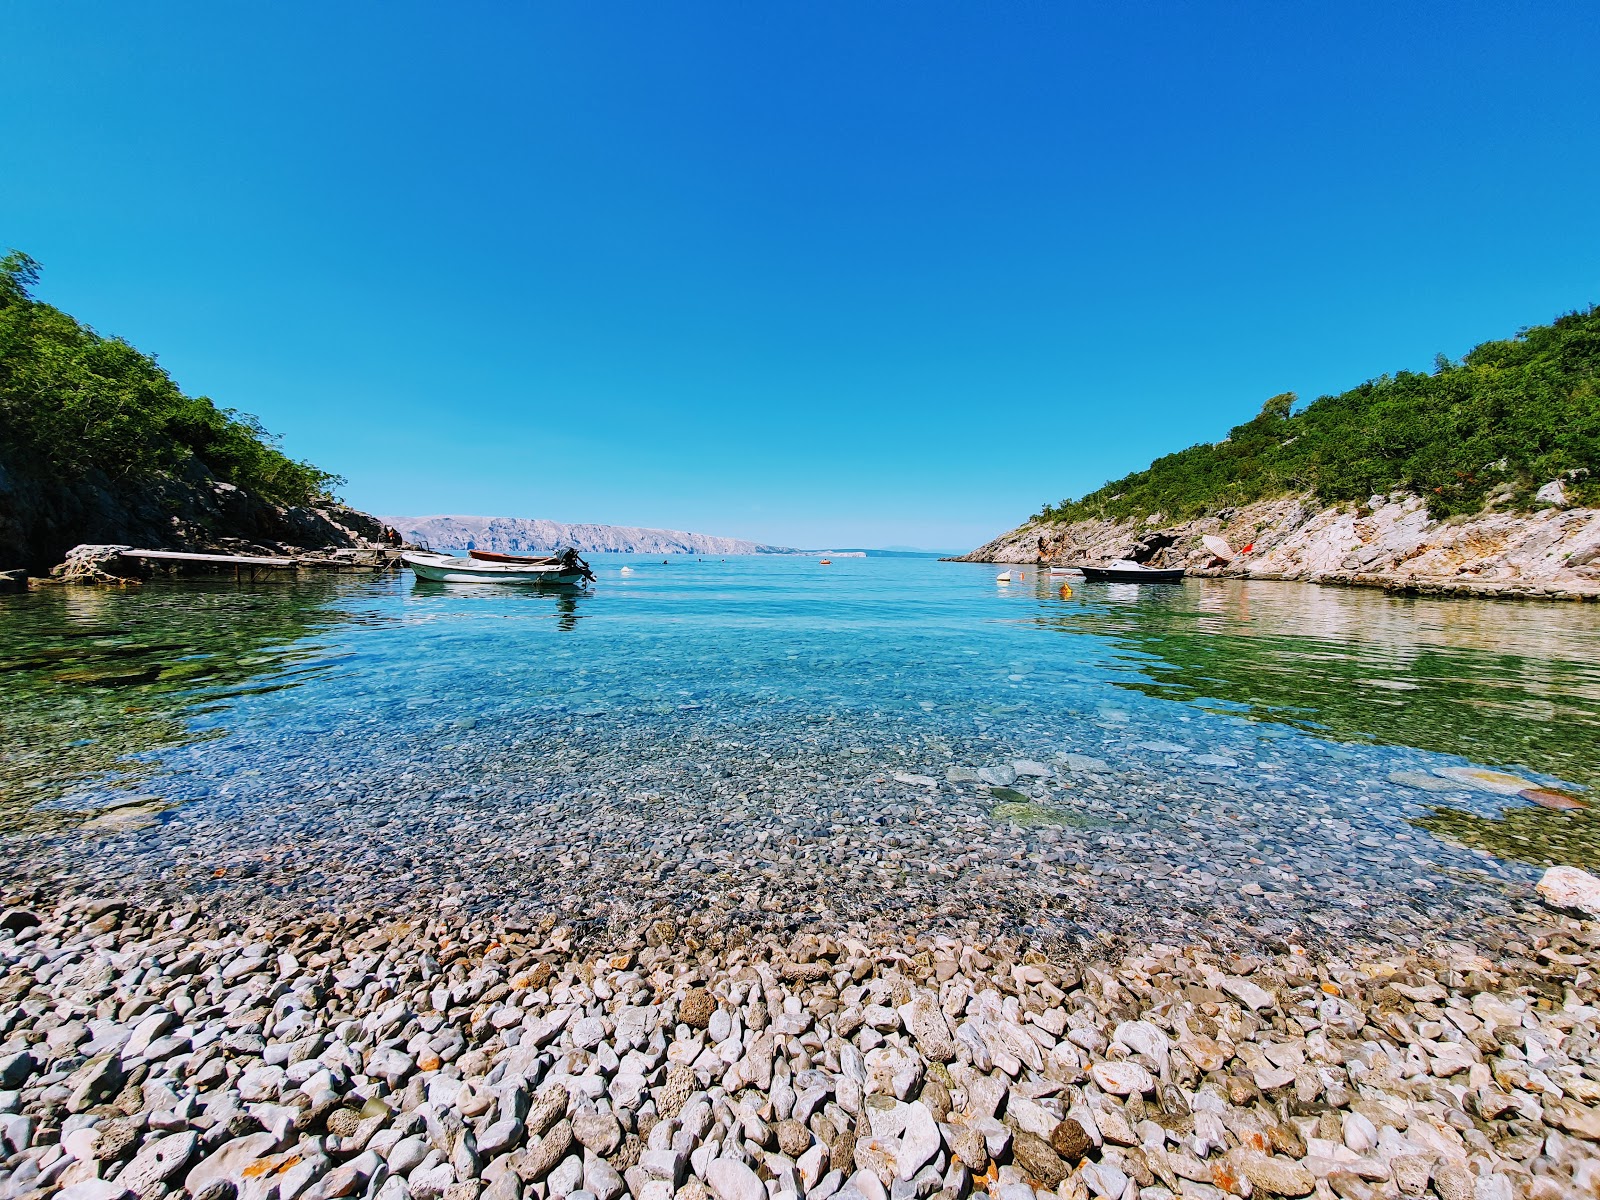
{"x": 773, "y": 741}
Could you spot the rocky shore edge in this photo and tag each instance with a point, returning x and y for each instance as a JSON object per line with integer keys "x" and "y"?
{"x": 1390, "y": 542}
{"x": 161, "y": 1049}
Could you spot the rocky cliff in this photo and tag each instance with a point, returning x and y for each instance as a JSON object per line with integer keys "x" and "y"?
{"x": 520, "y": 535}
{"x": 42, "y": 518}
{"x": 1389, "y": 542}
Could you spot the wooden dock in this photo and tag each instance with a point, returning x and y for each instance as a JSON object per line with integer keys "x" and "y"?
{"x": 349, "y": 559}
{"x": 216, "y": 560}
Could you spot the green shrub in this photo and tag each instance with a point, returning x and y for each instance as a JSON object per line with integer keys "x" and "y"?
{"x": 72, "y": 401}
{"x": 1509, "y": 417}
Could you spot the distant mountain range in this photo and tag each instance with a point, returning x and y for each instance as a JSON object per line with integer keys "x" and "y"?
{"x": 519, "y": 535}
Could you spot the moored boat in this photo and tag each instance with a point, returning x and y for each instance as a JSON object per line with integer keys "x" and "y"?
{"x": 565, "y": 570}
{"x": 1132, "y": 572}
{"x": 495, "y": 556}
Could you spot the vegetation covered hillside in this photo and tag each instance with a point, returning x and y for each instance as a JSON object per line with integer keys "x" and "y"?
{"x": 1507, "y": 418}
{"x": 73, "y": 402}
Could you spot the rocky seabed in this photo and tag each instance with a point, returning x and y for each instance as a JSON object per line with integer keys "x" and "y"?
{"x": 152, "y": 1050}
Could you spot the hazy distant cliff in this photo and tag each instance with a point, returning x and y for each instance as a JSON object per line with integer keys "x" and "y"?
{"x": 515, "y": 535}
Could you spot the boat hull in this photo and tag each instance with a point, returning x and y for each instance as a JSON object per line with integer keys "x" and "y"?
{"x": 1122, "y": 575}
{"x": 444, "y": 569}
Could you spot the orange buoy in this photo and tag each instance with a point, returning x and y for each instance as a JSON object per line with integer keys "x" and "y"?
{"x": 826, "y": 562}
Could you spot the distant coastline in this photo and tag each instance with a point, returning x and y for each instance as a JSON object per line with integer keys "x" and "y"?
{"x": 518, "y": 535}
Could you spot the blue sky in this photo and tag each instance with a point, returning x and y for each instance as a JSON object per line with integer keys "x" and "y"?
{"x": 834, "y": 273}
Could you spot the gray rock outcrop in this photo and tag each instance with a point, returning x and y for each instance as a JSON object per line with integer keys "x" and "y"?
{"x": 1388, "y": 542}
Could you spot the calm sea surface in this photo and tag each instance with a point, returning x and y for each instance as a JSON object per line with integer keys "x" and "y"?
{"x": 771, "y": 741}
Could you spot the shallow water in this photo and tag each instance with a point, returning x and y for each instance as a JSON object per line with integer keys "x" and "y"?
{"x": 726, "y": 736}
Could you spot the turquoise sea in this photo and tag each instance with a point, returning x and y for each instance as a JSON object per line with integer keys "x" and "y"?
{"x": 776, "y": 741}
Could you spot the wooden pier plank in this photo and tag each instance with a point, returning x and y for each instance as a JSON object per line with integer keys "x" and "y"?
{"x": 221, "y": 560}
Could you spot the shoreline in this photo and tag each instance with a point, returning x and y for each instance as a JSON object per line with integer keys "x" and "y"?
{"x": 1389, "y": 543}
{"x": 153, "y": 1049}
{"x": 1397, "y": 585}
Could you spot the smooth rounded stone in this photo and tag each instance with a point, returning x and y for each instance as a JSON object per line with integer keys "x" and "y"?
{"x": 1360, "y": 1135}
{"x": 1142, "y": 1037}
{"x": 1498, "y": 782}
{"x": 158, "y": 1162}
{"x": 665, "y": 1164}
{"x": 597, "y": 1131}
{"x": 1104, "y": 1180}
{"x": 919, "y": 1139}
{"x": 407, "y": 1154}
{"x": 1122, "y": 1078}
{"x": 96, "y": 1189}
{"x": 228, "y": 1161}
{"x": 1246, "y": 992}
{"x": 729, "y": 1179}
{"x": 81, "y": 1144}
{"x": 566, "y": 1177}
{"x": 602, "y": 1180}
{"x": 1003, "y": 775}
{"x": 430, "y": 1183}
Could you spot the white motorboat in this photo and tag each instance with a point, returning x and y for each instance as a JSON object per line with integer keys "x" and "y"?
{"x": 1125, "y": 571}
{"x": 566, "y": 570}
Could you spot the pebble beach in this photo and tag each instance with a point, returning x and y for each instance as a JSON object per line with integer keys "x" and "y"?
{"x": 155, "y": 1050}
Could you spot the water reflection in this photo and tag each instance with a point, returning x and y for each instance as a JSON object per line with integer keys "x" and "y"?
{"x": 1499, "y": 684}
{"x": 99, "y": 680}
{"x": 563, "y": 600}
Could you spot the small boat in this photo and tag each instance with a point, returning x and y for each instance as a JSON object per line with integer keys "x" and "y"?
{"x": 1057, "y": 572}
{"x": 565, "y": 570}
{"x": 1124, "y": 571}
{"x": 493, "y": 556}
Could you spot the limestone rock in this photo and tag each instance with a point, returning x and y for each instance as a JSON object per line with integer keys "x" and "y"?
{"x": 1568, "y": 887}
